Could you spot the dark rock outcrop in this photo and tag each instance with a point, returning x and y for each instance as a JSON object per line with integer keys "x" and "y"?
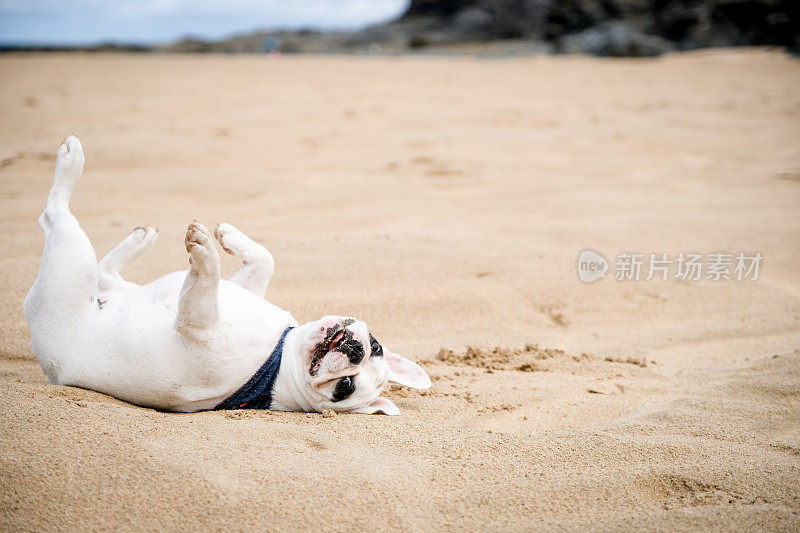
{"x": 606, "y": 27}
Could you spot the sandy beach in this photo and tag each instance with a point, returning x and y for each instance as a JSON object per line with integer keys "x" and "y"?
{"x": 443, "y": 200}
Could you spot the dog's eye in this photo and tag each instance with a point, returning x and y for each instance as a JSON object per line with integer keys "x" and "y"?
{"x": 344, "y": 389}
{"x": 375, "y": 346}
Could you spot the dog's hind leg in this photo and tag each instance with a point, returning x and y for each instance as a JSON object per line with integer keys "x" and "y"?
{"x": 132, "y": 247}
{"x": 198, "y": 306}
{"x": 65, "y": 288}
{"x": 67, "y": 277}
{"x": 258, "y": 267}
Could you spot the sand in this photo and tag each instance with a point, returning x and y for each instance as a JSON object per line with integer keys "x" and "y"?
{"x": 444, "y": 201}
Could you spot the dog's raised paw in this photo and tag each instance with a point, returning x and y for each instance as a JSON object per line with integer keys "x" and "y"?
{"x": 197, "y": 235}
{"x": 232, "y": 240}
{"x": 240, "y": 245}
{"x": 144, "y": 235}
{"x": 200, "y": 246}
{"x": 69, "y": 164}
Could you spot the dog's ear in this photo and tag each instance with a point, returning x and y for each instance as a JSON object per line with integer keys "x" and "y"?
{"x": 406, "y": 372}
{"x": 379, "y": 405}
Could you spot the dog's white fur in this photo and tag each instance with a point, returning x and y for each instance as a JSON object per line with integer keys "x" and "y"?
{"x": 188, "y": 340}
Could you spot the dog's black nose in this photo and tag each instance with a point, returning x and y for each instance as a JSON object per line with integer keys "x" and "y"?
{"x": 353, "y": 349}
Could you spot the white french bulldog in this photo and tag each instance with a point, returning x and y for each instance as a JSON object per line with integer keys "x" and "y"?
{"x": 190, "y": 341}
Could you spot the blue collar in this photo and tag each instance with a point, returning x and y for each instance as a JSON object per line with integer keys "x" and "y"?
{"x": 257, "y": 392}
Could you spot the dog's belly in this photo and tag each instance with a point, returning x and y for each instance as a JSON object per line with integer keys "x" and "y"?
{"x": 132, "y": 352}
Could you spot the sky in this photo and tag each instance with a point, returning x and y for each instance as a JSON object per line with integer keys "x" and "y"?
{"x": 59, "y": 22}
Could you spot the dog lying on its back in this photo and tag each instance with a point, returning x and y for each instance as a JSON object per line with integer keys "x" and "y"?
{"x": 190, "y": 341}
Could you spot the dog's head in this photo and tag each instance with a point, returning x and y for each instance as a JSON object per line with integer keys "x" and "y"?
{"x": 346, "y": 368}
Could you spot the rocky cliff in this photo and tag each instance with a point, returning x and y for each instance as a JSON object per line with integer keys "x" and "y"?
{"x": 603, "y": 27}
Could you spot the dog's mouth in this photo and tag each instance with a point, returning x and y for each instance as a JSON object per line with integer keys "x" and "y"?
{"x": 335, "y": 338}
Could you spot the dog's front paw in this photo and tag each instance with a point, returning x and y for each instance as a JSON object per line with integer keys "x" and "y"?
{"x": 233, "y": 241}
{"x": 237, "y": 243}
{"x": 200, "y": 245}
{"x": 229, "y": 238}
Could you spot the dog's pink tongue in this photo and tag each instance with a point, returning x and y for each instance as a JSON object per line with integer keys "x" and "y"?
{"x": 336, "y": 340}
